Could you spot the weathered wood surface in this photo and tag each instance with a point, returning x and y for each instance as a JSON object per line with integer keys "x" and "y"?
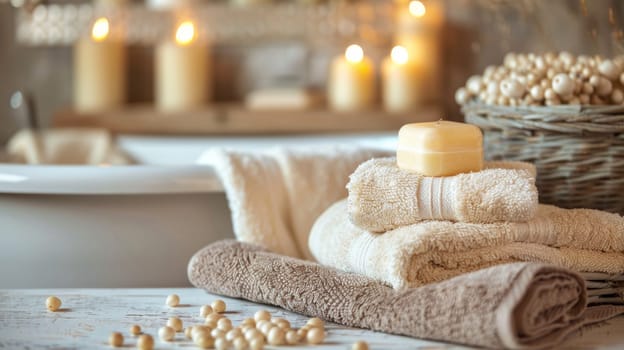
{"x": 88, "y": 316}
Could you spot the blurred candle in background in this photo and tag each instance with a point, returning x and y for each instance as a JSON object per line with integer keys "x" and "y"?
{"x": 400, "y": 81}
{"x": 99, "y": 70}
{"x": 182, "y": 71}
{"x": 351, "y": 84}
{"x": 418, "y": 30}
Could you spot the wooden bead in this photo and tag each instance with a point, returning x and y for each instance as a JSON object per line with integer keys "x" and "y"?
{"x": 205, "y": 310}
{"x": 550, "y": 94}
{"x": 622, "y": 78}
{"x": 537, "y": 93}
{"x": 188, "y": 332}
{"x": 166, "y": 333}
{"x": 594, "y": 80}
{"x": 315, "y": 336}
{"x": 214, "y": 317}
{"x": 53, "y": 303}
{"x": 588, "y": 88}
{"x": 266, "y": 328}
{"x": 262, "y": 315}
{"x": 302, "y": 333}
{"x": 281, "y": 323}
{"x": 173, "y": 300}
{"x": 574, "y": 101}
{"x": 291, "y": 337}
{"x": 276, "y": 336}
{"x": 553, "y": 102}
{"x": 224, "y": 324}
{"x": 135, "y": 330}
{"x": 251, "y": 334}
{"x": 205, "y": 341}
{"x": 584, "y": 99}
{"x": 217, "y": 333}
{"x": 605, "y": 87}
{"x": 461, "y": 97}
{"x": 218, "y": 306}
{"x": 596, "y": 100}
{"x": 212, "y": 324}
{"x": 474, "y": 84}
{"x": 145, "y": 342}
{"x": 175, "y": 323}
{"x": 240, "y": 343}
{"x": 116, "y": 339}
{"x": 563, "y": 85}
{"x": 256, "y": 344}
{"x": 249, "y": 322}
{"x": 609, "y": 69}
{"x": 316, "y": 322}
{"x": 233, "y": 334}
{"x": 502, "y": 101}
{"x": 198, "y": 331}
{"x": 360, "y": 345}
{"x": 511, "y": 88}
{"x": 221, "y": 344}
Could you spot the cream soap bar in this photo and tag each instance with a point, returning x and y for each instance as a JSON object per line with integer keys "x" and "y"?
{"x": 440, "y": 148}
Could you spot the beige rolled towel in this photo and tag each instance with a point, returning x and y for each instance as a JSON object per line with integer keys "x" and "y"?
{"x": 516, "y": 306}
{"x": 431, "y": 251}
{"x": 383, "y": 197}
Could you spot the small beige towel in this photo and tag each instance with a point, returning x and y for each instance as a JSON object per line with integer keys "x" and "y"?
{"x": 66, "y": 146}
{"x": 409, "y": 256}
{"x": 516, "y": 306}
{"x": 383, "y": 197}
{"x": 276, "y": 195}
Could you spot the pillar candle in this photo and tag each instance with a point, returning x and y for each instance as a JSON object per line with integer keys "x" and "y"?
{"x": 99, "y": 70}
{"x": 401, "y": 84}
{"x": 418, "y": 30}
{"x": 182, "y": 71}
{"x": 440, "y": 148}
{"x": 351, "y": 84}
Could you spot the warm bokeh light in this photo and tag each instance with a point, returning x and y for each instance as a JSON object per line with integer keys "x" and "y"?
{"x": 399, "y": 55}
{"x": 100, "y": 29}
{"x": 354, "y": 53}
{"x": 417, "y": 8}
{"x": 185, "y": 33}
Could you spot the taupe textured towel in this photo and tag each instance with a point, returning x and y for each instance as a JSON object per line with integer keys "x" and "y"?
{"x": 518, "y": 306}
{"x": 276, "y": 195}
{"x": 431, "y": 251}
{"x": 383, "y": 197}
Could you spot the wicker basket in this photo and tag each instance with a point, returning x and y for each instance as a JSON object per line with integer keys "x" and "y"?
{"x": 578, "y": 150}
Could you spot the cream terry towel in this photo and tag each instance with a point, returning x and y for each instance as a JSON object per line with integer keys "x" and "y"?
{"x": 66, "y": 146}
{"x": 276, "y": 195}
{"x": 383, "y": 197}
{"x": 409, "y": 256}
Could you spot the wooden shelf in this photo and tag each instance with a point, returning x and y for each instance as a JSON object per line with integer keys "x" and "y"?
{"x": 228, "y": 119}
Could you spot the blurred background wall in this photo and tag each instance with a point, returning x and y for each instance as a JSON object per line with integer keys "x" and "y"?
{"x": 476, "y": 33}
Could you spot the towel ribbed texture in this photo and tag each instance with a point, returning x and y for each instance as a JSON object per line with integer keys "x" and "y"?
{"x": 431, "y": 251}
{"x": 516, "y": 306}
{"x": 383, "y": 197}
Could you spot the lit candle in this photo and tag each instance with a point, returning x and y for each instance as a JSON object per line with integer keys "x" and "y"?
{"x": 182, "y": 71}
{"x": 351, "y": 84}
{"x": 418, "y": 31}
{"x": 99, "y": 70}
{"x": 401, "y": 86}
{"x": 440, "y": 148}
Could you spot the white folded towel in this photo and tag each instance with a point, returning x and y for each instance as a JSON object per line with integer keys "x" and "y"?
{"x": 580, "y": 239}
{"x": 383, "y": 197}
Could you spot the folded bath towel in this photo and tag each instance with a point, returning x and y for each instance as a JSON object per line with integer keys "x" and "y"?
{"x": 431, "y": 251}
{"x": 516, "y": 306}
{"x": 276, "y": 195}
{"x": 383, "y": 197}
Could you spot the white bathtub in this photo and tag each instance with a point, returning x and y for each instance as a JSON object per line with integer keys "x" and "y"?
{"x": 122, "y": 226}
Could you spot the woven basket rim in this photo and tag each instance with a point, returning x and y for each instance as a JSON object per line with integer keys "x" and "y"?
{"x": 550, "y": 110}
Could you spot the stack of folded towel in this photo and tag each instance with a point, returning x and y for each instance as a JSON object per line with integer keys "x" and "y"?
{"x": 398, "y": 229}
{"x": 409, "y": 230}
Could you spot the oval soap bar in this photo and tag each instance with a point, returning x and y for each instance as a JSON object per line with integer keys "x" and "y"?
{"x": 440, "y": 148}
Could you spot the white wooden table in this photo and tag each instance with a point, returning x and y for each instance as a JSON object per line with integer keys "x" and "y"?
{"x": 88, "y": 316}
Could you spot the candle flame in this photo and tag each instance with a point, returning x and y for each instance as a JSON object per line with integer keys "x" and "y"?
{"x": 100, "y": 29}
{"x": 417, "y": 8}
{"x": 354, "y": 53}
{"x": 185, "y": 33}
{"x": 399, "y": 55}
